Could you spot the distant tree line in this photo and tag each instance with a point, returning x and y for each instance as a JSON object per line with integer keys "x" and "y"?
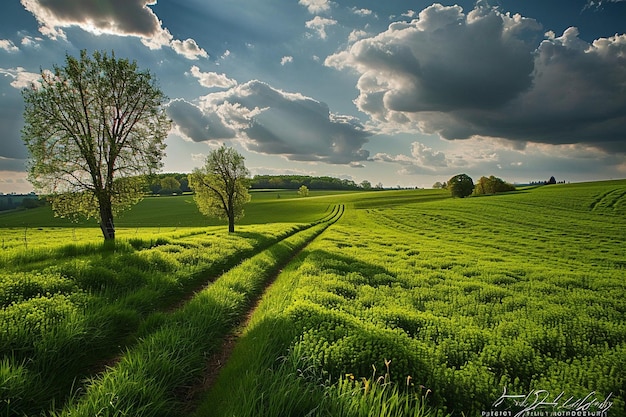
{"x": 294, "y": 182}
{"x": 169, "y": 184}
{"x": 552, "y": 180}
{"x": 14, "y": 201}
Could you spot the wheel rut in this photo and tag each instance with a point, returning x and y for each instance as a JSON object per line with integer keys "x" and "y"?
{"x": 217, "y": 361}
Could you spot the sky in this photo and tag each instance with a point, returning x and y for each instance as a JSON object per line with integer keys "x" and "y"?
{"x": 403, "y": 93}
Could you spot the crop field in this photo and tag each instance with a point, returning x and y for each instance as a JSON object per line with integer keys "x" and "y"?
{"x": 387, "y": 303}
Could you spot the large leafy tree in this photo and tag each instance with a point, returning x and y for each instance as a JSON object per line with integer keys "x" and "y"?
{"x": 492, "y": 185}
{"x": 93, "y": 128}
{"x": 221, "y": 186}
{"x": 461, "y": 185}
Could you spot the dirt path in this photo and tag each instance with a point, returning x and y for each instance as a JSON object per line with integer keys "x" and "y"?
{"x": 219, "y": 359}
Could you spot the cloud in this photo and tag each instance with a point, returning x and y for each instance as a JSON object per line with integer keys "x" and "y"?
{"x": 316, "y": 6}
{"x": 362, "y": 12}
{"x": 423, "y": 159}
{"x": 114, "y": 17}
{"x": 356, "y": 34}
{"x": 490, "y": 74}
{"x": 212, "y": 79}
{"x": 21, "y": 77}
{"x": 286, "y": 60}
{"x": 597, "y": 4}
{"x": 318, "y": 24}
{"x": 8, "y": 45}
{"x": 189, "y": 49}
{"x": 195, "y": 124}
{"x": 30, "y": 41}
{"x": 270, "y": 121}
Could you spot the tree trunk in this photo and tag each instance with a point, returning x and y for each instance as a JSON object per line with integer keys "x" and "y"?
{"x": 106, "y": 220}
{"x": 231, "y": 223}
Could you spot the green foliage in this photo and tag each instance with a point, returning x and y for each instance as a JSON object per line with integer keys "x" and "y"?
{"x": 293, "y": 182}
{"x": 93, "y": 128}
{"x": 67, "y": 308}
{"x": 221, "y": 186}
{"x": 462, "y": 315}
{"x": 151, "y": 379}
{"x": 303, "y": 191}
{"x": 412, "y": 277}
{"x": 169, "y": 185}
{"x": 460, "y": 185}
{"x": 492, "y": 185}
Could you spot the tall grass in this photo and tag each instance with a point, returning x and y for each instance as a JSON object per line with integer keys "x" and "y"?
{"x": 466, "y": 297}
{"x": 151, "y": 378}
{"x": 67, "y": 310}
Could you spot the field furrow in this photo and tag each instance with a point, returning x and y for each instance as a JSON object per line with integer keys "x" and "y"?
{"x": 156, "y": 377}
{"x": 67, "y": 319}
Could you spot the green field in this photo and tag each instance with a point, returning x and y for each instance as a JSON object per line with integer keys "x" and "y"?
{"x": 387, "y": 303}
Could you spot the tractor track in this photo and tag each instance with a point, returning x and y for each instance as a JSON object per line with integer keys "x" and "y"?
{"x": 218, "y": 360}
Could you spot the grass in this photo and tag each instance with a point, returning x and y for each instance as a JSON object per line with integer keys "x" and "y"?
{"x": 181, "y": 211}
{"x": 151, "y": 377}
{"x": 68, "y": 309}
{"x": 464, "y": 297}
{"x": 459, "y": 297}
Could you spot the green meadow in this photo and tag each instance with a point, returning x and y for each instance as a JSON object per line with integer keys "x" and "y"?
{"x": 381, "y": 303}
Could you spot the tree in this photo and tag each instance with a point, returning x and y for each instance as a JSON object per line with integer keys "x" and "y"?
{"x": 93, "y": 129}
{"x": 221, "y": 186}
{"x": 437, "y": 185}
{"x": 460, "y": 185}
{"x": 169, "y": 185}
{"x": 492, "y": 185}
{"x": 303, "y": 191}
{"x": 366, "y": 185}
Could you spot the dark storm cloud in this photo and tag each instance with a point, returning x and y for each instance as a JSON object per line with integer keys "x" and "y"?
{"x": 272, "y": 121}
{"x": 485, "y": 73}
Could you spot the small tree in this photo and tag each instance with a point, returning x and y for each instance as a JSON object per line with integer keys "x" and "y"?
{"x": 303, "y": 191}
{"x": 221, "y": 186}
{"x": 460, "y": 185}
{"x": 93, "y": 129}
{"x": 366, "y": 185}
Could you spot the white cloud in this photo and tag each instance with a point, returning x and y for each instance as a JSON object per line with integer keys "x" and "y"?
{"x": 316, "y": 6}
{"x": 318, "y": 24}
{"x": 356, "y": 34}
{"x": 212, "y": 79}
{"x": 21, "y": 77}
{"x": 270, "y": 121}
{"x": 362, "y": 12}
{"x": 189, "y": 49}
{"x": 422, "y": 160}
{"x": 122, "y": 18}
{"x": 286, "y": 60}
{"x": 488, "y": 74}
{"x": 599, "y": 3}
{"x": 8, "y": 45}
{"x": 30, "y": 41}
